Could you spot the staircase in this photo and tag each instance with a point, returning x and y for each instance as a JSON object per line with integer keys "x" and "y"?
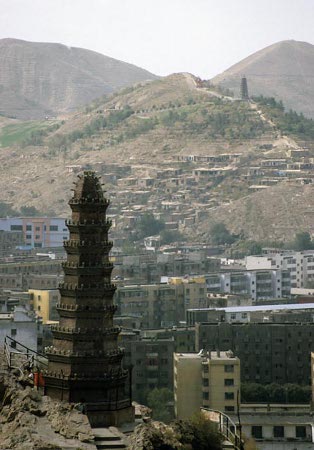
{"x": 108, "y": 438}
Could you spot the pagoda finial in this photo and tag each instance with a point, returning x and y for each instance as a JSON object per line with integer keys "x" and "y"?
{"x": 88, "y": 186}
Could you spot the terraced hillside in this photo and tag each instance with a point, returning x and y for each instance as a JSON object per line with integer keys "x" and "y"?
{"x": 172, "y": 147}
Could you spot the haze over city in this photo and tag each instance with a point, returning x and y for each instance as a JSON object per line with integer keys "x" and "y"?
{"x": 203, "y": 37}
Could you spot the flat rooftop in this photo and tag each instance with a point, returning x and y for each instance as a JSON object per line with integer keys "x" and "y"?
{"x": 235, "y": 309}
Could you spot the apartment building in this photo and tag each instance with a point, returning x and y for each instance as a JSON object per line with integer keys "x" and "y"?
{"x": 300, "y": 265}
{"x": 151, "y": 360}
{"x": 44, "y": 302}
{"x": 161, "y": 305}
{"x": 265, "y": 283}
{"x": 38, "y": 232}
{"x": 270, "y": 352}
{"x": 290, "y": 312}
{"x": 206, "y": 379}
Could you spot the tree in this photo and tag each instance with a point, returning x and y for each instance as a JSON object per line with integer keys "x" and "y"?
{"x": 169, "y": 236}
{"x": 220, "y": 235}
{"x": 149, "y": 226}
{"x": 29, "y": 211}
{"x": 275, "y": 393}
{"x": 303, "y": 241}
{"x": 198, "y": 433}
{"x": 159, "y": 400}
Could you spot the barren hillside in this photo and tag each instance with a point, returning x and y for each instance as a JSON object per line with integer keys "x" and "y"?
{"x": 39, "y": 79}
{"x": 283, "y": 70}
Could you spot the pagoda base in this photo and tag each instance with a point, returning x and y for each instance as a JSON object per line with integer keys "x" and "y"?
{"x": 105, "y": 403}
{"x": 99, "y": 418}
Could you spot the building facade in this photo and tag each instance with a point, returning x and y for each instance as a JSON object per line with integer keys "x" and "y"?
{"x": 37, "y": 232}
{"x": 256, "y": 284}
{"x": 206, "y": 379}
{"x": 300, "y": 265}
{"x": 151, "y": 360}
{"x": 161, "y": 305}
{"x": 269, "y": 352}
{"x": 44, "y": 302}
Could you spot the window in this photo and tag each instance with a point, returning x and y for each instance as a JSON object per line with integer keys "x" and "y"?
{"x": 229, "y": 368}
{"x": 229, "y": 408}
{"x": 229, "y": 382}
{"x": 38, "y": 307}
{"x": 53, "y": 228}
{"x": 37, "y": 236}
{"x": 28, "y": 236}
{"x": 13, "y": 332}
{"x": 279, "y": 431}
{"x": 37, "y": 228}
{"x": 300, "y": 431}
{"x": 229, "y": 395}
{"x": 28, "y": 228}
{"x": 205, "y": 382}
{"x": 257, "y": 432}
{"x": 16, "y": 228}
{"x": 205, "y": 396}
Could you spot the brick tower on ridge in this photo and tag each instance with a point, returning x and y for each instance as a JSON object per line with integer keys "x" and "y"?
{"x": 85, "y": 362}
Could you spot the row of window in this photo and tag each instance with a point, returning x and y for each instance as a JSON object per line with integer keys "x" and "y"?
{"x": 37, "y": 228}
{"x": 278, "y": 431}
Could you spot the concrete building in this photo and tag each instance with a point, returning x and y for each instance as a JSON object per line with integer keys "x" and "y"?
{"x": 299, "y": 264}
{"x": 278, "y": 430}
{"x": 152, "y": 361}
{"x": 23, "y": 326}
{"x": 290, "y": 312}
{"x": 270, "y": 352}
{"x": 257, "y": 284}
{"x": 206, "y": 379}
{"x": 38, "y": 232}
{"x": 161, "y": 305}
{"x": 44, "y": 302}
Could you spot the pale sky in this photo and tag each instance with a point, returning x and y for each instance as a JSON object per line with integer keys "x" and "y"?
{"x": 203, "y": 37}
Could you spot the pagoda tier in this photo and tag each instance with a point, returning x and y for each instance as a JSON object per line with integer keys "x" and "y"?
{"x": 85, "y": 362}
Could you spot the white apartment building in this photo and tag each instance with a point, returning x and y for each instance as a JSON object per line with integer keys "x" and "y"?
{"x": 264, "y": 283}
{"x": 299, "y": 264}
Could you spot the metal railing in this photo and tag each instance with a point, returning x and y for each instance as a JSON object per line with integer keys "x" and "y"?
{"x": 19, "y": 355}
{"x": 229, "y": 430}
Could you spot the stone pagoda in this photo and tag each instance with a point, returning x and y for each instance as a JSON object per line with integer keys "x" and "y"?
{"x": 85, "y": 362}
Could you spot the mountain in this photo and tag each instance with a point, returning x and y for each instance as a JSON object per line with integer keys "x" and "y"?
{"x": 283, "y": 70}
{"x": 45, "y": 79}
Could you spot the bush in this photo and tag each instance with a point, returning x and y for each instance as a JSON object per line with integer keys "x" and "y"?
{"x": 220, "y": 235}
{"x": 199, "y": 433}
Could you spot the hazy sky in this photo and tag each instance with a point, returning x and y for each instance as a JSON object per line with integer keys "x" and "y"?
{"x": 203, "y": 37}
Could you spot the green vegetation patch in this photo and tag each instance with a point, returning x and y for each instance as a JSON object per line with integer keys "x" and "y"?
{"x": 26, "y": 133}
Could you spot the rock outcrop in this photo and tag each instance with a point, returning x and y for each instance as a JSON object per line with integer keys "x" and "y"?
{"x": 29, "y": 420}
